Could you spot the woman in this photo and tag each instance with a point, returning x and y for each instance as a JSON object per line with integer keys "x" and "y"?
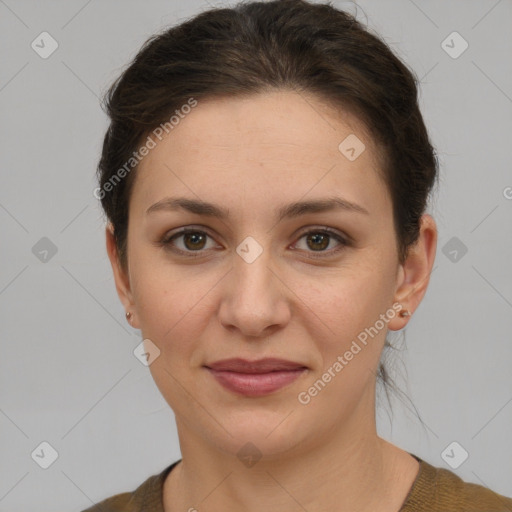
{"x": 265, "y": 177}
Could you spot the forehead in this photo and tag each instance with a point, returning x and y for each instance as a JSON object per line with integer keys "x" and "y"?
{"x": 277, "y": 146}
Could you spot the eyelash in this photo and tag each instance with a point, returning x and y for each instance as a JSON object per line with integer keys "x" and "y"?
{"x": 166, "y": 242}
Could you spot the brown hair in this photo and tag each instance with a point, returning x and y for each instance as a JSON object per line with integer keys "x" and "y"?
{"x": 261, "y": 46}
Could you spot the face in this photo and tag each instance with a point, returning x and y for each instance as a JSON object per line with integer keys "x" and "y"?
{"x": 307, "y": 287}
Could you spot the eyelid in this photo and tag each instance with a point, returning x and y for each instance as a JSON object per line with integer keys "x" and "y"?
{"x": 184, "y": 230}
{"x": 343, "y": 239}
{"x": 165, "y": 242}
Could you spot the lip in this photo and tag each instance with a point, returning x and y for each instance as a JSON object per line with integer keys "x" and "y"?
{"x": 255, "y": 378}
{"x": 266, "y": 365}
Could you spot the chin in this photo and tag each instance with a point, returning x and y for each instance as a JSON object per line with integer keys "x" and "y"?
{"x": 266, "y": 434}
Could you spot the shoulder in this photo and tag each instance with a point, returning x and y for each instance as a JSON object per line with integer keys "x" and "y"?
{"x": 440, "y": 489}
{"x": 148, "y": 496}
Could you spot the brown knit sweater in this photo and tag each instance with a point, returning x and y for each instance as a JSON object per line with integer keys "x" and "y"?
{"x": 434, "y": 490}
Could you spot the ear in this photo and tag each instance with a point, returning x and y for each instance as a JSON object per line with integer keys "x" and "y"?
{"x": 121, "y": 279}
{"x": 414, "y": 275}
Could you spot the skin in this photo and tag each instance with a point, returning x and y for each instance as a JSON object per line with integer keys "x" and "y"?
{"x": 254, "y": 155}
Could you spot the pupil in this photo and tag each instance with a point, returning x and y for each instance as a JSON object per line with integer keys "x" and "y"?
{"x": 195, "y": 238}
{"x": 316, "y": 239}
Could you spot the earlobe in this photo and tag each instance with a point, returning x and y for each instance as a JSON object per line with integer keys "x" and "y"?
{"x": 414, "y": 274}
{"x": 121, "y": 280}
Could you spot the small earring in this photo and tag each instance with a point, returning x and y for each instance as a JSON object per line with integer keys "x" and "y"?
{"x": 404, "y": 312}
{"x": 128, "y": 316}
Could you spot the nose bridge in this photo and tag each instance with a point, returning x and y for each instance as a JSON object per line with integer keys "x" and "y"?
{"x": 252, "y": 274}
{"x": 252, "y": 267}
{"x": 253, "y": 302}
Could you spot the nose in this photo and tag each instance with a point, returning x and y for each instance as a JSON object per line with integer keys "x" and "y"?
{"x": 255, "y": 300}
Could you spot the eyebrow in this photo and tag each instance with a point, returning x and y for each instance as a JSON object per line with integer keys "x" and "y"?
{"x": 285, "y": 212}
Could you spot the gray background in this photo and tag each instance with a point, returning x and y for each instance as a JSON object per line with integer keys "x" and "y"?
{"x": 68, "y": 374}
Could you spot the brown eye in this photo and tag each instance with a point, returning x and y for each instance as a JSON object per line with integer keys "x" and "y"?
{"x": 193, "y": 241}
{"x": 318, "y": 240}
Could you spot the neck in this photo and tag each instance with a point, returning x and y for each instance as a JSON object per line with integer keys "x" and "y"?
{"x": 345, "y": 469}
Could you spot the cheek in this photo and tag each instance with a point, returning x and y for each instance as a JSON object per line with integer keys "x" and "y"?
{"x": 350, "y": 351}
{"x": 349, "y": 307}
{"x": 170, "y": 305}
{"x": 171, "y": 311}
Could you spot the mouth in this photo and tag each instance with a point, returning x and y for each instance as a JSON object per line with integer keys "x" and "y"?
{"x": 255, "y": 378}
